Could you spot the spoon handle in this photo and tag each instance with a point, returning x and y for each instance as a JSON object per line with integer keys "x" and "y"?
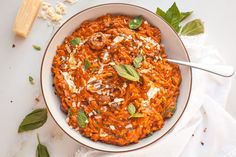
{"x": 222, "y": 70}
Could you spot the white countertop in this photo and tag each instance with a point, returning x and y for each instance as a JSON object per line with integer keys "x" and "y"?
{"x": 17, "y": 94}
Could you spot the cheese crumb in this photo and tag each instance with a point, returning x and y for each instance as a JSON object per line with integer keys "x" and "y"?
{"x": 112, "y": 127}
{"x": 152, "y": 92}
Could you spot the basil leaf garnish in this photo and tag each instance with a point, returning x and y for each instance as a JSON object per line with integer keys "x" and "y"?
{"x": 136, "y": 22}
{"x": 137, "y": 61}
{"x": 75, "y": 41}
{"x": 137, "y": 115}
{"x": 194, "y": 27}
{"x": 131, "y": 108}
{"x": 127, "y": 71}
{"x": 82, "y": 119}
{"x": 42, "y": 150}
{"x": 33, "y": 120}
{"x": 87, "y": 64}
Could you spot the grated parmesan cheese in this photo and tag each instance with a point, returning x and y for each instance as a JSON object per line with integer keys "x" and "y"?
{"x": 152, "y": 92}
{"x": 112, "y": 127}
{"x": 118, "y": 39}
{"x": 68, "y": 78}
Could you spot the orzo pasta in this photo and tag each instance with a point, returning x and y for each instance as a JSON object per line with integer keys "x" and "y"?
{"x": 99, "y": 101}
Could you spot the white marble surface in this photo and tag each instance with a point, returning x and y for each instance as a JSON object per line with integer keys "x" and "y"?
{"x": 20, "y": 62}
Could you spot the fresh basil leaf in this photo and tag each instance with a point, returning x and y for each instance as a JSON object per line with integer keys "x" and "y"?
{"x": 87, "y": 64}
{"x": 36, "y": 47}
{"x": 136, "y": 22}
{"x": 33, "y": 120}
{"x": 137, "y": 61}
{"x": 137, "y": 115}
{"x": 42, "y": 150}
{"x": 161, "y": 13}
{"x": 75, "y": 41}
{"x": 127, "y": 71}
{"x": 131, "y": 109}
{"x": 31, "y": 80}
{"x": 194, "y": 27}
{"x": 184, "y": 15}
{"x": 173, "y": 16}
{"x": 82, "y": 119}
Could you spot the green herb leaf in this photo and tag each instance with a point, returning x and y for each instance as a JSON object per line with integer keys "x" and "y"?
{"x": 31, "y": 80}
{"x": 82, "y": 118}
{"x": 173, "y": 16}
{"x": 136, "y": 22}
{"x": 33, "y": 120}
{"x": 161, "y": 13}
{"x": 131, "y": 108}
{"x": 36, "y": 47}
{"x": 42, "y": 150}
{"x": 75, "y": 41}
{"x": 194, "y": 27}
{"x": 87, "y": 64}
{"x": 137, "y": 115}
{"x": 137, "y": 61}
{"x": 127, "y": 71}
{"x": 184, "y": 15}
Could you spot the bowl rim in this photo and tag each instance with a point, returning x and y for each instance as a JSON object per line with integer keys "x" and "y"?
{"x": 41, "y": 78}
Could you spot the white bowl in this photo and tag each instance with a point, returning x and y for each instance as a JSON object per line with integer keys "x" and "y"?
{"x": 174, "y": 48}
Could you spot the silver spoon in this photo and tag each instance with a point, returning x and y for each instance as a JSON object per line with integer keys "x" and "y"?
{"x": 222, "y": 70}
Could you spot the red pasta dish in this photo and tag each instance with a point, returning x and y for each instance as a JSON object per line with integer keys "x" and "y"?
{"x": 113, "y": 79}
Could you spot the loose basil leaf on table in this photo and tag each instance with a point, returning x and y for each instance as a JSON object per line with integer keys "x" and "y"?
{"x": 36, "y": 47}
{"x": 31, "y": 80}
{"x": 42, "y": 150}
{"x": 82, "y": 119}
{"x": 173, "y": 16}
{"x": 33, "y": 120}
{"x": 193, "y": 28}
{"x": 137, "y": 61}
{"x": 127, "y": 71}
{"x": 131, "y": 108}
{"x": 136, "y": 22}
{"x": 184, "y": 15}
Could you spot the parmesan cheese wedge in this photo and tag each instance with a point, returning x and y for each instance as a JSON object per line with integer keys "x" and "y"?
{"x": 25, "y": 17}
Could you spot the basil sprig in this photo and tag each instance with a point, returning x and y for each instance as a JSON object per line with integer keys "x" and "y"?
{"x": 33, "y": 120}
{"x": 132, "y": 111}
{"x": 42, "y": 150}
{"x": 82, "y": 119}
{"x": 127, "y": 71}
{"x": 137, "y": 61}
{"x": 136, "y": 22}
{"x": 174, "y": 18}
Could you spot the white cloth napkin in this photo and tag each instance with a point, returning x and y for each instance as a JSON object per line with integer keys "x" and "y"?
{"x": 205, "y": 128}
